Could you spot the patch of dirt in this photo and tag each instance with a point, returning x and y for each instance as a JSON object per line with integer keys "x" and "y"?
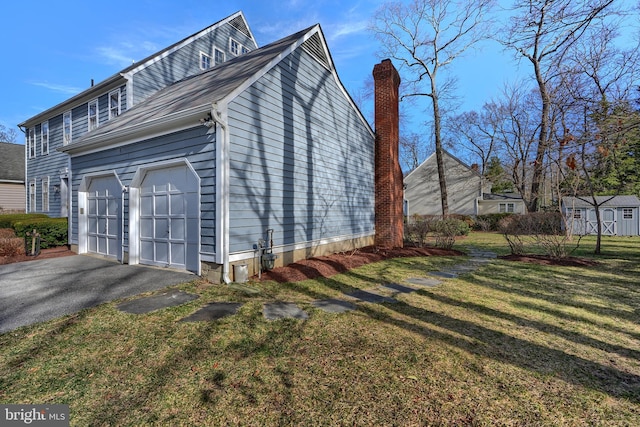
{"x": 327, "y": 266}
{"x": 547, "y": 260}
{"x": 57, "y": 252}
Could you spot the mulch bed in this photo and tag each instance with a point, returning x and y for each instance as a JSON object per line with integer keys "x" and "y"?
{"x": 327, "y": 266}
{"x": 57, "y": 252}
{"x": 546, "y": 260}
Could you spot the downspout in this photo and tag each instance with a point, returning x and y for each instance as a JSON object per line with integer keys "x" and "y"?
{"x": 124, "y": 191}
{"x": 218, "y": 115}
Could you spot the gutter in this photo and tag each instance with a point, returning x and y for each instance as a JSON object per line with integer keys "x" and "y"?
{"x": 219, "y": 116}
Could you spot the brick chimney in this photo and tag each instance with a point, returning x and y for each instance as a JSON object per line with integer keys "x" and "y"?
{"x": 388, "y": 176}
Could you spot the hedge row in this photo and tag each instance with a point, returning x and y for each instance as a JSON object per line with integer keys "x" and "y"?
{"x": 53, "y": 231}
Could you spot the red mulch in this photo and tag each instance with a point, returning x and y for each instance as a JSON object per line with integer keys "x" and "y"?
{"x": 58, "y": 252}
{"x": 327, "y": 266}
{"x": 546, "y": 260}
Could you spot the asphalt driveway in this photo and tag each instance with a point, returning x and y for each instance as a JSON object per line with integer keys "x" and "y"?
{"x": 37, "y": 291}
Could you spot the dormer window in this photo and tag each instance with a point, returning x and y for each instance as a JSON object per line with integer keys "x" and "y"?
{"x": 205, "y": 61}
{"x": 114, "y": 104}
{"x": 93, "y": 115}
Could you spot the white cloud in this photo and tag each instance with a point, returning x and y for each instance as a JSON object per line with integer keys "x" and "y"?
{"x": 54, "y": 87}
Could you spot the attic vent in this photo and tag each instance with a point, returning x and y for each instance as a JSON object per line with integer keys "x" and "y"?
{"x": 315, "y": 48}
{"x": 239, "y": 24}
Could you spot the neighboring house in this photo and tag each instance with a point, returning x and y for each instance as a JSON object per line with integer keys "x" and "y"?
{"x": 619, "y": 215}
{"x": 492, "y": 203}
{"x": 265, "y": 147}
{"x": 48, "y": 174}
{"x": 465, "y": 185}
{"x": 12, "y": 189}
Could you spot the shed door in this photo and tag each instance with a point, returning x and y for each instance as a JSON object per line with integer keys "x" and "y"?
{"x": 168, "y": 218}
{"x": 104, "y": 199}
{"x": 608, "y": 221}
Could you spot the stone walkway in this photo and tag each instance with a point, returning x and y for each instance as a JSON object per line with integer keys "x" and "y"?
{"x": 288, "y": 310}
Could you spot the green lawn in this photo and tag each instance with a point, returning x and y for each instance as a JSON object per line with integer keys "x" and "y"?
{"x": 508, "y": 344}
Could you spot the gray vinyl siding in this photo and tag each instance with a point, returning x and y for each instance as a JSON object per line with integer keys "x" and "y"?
{"x": 193, "y": 144}
{"x": 627, "y": 227}
{"x": 54, "y": 163}
{"x": 301, "y": 160}
{"x": 185, "y": 61}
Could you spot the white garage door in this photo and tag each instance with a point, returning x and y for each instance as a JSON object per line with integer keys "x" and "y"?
{"x": 169, "y": 218}
{"x": 104, "y": 198}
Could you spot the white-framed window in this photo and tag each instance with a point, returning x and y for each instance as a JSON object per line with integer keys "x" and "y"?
{"x": 92, "y": 115}
{"x": 627, "y": 213}
{"x": 244, "y": 50}
{"x": 31, "y": 142}
{"x": 45, "y": 194}
{"x": 234, "y": 47}
{"x": 218, "y": 56}
{"x": 66, "y": 128}
{"x": 507, "y": 207}
{"x": 44, "y": 138}
{"x": 32, "y": 195}
{"x": 114, "y": 104}
{"x": 205, "y": 61}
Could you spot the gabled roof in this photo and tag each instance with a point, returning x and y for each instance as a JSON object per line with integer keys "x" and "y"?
{"x": 178, "y": 104}
{"x": 501, "y": 196}
{"x": 11, "y": 162}
{"x": 624, "y": 201}
{"x": 237, "y": 20}
{"x": 432, "y": 158}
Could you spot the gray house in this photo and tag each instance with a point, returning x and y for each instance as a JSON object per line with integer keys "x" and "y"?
{"x": 618, "y": 214}
{"x": 48, "y": 171}
{"x": 264, "y": 147}
{"x": 12, "y": 189}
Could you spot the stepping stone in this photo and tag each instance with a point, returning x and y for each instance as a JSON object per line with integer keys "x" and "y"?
{"x": 156, "y": 302}
{"x": 366, "y": 296}
{"x": 283, "y": 310}
{"x": 423, "y": 281}
{"x": 213, "y": 311}
{"x": 395, "y": 287}
{"x": 443, "y": 274}
{"x": 334, "y": 305}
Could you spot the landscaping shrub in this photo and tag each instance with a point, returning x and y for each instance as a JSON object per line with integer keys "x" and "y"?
{"x": 447, "y": 229}
{"x": 7, "y": 233}
{"x": 489, "y": 222}
{"x": 418, "y": 228}
{"x": 539, "y": 229}
{"x": 11, "y": 246}
{"x": 53, "y": 231}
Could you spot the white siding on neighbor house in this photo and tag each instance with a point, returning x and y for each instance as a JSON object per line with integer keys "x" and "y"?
{"x": 301, "y": 160}
{"x": 12, "y": 196}
{"x": 422, "y": 188}
{"x": 194, "y": 144}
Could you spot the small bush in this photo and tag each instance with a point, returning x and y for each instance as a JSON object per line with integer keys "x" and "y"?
{"x": 446, "y": 231}
{"x": 12, "y": 246}
{"x": 53, "y": 231}
{"x": 489, "y": 222}
{"x": 417, "y": 229}
{"x": 539, "y": 229}
{"x": 7, "y": 220}
{"x": 7, "y": 233}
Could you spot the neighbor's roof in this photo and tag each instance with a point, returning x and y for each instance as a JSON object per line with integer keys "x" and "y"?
{"x": 11, "y": 162}
{"x": 501, "y": 196}
{"x": 605, "y": 201}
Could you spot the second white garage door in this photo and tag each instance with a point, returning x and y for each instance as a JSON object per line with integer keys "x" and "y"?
{"x": 169, "y": 209}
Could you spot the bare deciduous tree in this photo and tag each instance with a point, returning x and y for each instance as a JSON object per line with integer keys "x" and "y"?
{"x": 425, "y": 37}
{"x": 542, "y": 32}
{"x": 7, "y": 135}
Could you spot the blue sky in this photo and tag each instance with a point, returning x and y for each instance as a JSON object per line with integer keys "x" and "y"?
{"x": 52, "y": 50}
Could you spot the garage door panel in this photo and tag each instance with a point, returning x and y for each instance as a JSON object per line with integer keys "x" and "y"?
{"x": 168, "y": 236}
